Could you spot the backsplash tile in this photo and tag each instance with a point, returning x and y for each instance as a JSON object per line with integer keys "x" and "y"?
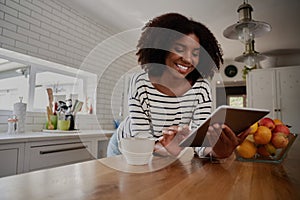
{"x": 36, "y": 121}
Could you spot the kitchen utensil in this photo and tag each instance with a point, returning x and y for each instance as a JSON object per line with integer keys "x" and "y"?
{"x": 50, "y": 125}
{"x": 55, "y": 108}
{"x": 62, "y": 107}
{"x": 69, "y": 105}
{"x": 80, "y": 104}
{"x": 74, "y": 105}
{"x": 78, "y": 107}
{"x": 50, "y": 98}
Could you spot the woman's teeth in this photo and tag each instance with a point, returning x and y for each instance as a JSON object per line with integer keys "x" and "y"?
{"x": 182, "y": 67}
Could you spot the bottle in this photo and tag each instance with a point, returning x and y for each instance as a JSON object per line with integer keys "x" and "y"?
{"x": 12, "y": 124}
{"x": 91, "y": 109}
{"x": 20, "y": 112}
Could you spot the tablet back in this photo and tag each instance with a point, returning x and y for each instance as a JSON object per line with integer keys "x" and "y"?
{"x": 238, "y": 119}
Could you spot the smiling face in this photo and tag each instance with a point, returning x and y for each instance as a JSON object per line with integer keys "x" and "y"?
{"x": 183, "y": 56}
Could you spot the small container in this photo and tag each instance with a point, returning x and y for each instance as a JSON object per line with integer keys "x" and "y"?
{"x": 63, "y": 125}
{"x": 12, "y": 125}
{"x": 53, "y": 119}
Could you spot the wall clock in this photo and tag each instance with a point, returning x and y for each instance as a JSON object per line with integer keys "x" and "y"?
{"x": 230, "y": 71}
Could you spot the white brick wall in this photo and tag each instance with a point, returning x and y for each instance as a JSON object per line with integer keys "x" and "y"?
{"x": 53, "y": 31}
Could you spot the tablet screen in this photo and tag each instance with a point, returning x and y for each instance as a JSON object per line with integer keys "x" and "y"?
{"x": 238, "y": 119}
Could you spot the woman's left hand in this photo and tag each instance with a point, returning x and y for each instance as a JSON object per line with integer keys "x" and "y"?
{"x": 226, "y": 141}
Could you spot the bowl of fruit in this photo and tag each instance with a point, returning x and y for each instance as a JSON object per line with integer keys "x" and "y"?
{"x": 269, "y": 141}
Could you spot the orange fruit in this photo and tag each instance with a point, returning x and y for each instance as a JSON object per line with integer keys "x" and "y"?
{"x": 247, "y": 149}
{"x": 253, "y": 128}
{"x": 277, "y": 121}
{"x": 263, "y": 135}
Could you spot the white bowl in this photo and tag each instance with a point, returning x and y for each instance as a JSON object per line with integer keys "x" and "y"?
{"x": 137, "y": 145}
{"x": 136, "y": 158}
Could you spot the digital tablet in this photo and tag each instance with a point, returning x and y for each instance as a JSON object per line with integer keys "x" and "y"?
{"x": 238, "y": 119}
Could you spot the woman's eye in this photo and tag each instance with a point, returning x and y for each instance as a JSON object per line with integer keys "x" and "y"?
{"x": 179, "y": 50}
{"x": 196, "y": 53}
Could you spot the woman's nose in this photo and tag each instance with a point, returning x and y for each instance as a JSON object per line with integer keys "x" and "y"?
{"x": 187, "y": 57}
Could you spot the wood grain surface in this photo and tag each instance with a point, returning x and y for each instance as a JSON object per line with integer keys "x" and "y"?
{"x": 186, "y": 178}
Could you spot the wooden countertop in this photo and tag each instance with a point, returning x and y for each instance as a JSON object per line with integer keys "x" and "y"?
{"x": 186, "y": 178}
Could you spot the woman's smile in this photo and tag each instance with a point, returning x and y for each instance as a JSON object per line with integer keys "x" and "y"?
{"x": 183, "y": 69}
{"x": 183, "y": 56}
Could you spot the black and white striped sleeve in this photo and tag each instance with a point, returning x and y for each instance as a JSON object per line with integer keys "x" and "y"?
{"x": 138, "y": 109}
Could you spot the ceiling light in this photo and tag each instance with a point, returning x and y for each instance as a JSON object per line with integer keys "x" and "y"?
{"x": 250, "y": 57}
{"x": 246, "y": 29}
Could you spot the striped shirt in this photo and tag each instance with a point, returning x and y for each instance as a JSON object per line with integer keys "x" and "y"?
{"x": 150, "y": 110}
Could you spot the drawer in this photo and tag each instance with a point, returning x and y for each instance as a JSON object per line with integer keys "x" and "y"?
{"x": 51, "y": 155}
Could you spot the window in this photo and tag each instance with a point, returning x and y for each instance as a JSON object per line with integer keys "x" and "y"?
{"x": 14, "y": 83}
{"x": 233, "y": 96}
{"x": 28, "y": 77}
{"x": 237, "y": 100}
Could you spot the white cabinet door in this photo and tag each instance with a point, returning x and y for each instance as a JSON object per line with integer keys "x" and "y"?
{"x": 261, "y": 90}
{"x": 11, "y": 159}
{"x": 288, "y": 96}
{"x": 278, "y": 90}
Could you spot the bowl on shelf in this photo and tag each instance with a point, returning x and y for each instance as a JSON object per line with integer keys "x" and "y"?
{"x": 278, "y": 156}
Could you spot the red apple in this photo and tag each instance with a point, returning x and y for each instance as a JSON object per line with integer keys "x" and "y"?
{"x": 279, "y": 140}
{"x": 268, "y": 122}
{"x": 281, "y": 128}
{"x": 261, "y": 150}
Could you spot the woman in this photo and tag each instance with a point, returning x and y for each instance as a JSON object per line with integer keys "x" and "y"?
{"x": 173, "y": 94}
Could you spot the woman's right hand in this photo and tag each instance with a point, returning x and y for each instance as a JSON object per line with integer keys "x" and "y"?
{"x": 172, "y": 136}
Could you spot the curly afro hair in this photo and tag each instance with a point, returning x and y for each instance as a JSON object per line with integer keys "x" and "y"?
{"x": 160, "y": 33}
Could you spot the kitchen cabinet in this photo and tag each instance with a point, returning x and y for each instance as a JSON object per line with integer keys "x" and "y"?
{"x": 32, "y": 151}
{"x": 276, "y": 89}
{"x": 46, "y": 154}
{"x": 102, "y": 147}
{"x": 11, "y": 159}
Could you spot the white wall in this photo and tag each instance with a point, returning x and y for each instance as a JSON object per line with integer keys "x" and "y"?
{"x": 53, "y": 31}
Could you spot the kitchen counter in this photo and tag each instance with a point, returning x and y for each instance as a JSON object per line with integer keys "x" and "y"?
{"x": 30, "y": 151}
{"x": 38, "y": 136}
{"x": 186, "y": 178}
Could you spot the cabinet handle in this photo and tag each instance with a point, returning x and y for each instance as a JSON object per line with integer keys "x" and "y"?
{"x": 277, "y": 110}
{"x": 61, "y": 150}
